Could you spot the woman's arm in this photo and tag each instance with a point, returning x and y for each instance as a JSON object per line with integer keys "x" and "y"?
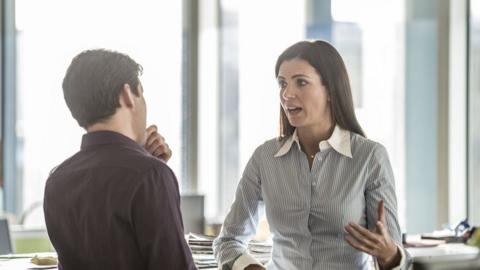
{"x": 383, "y": 237}
{"x": 241, "y": 221}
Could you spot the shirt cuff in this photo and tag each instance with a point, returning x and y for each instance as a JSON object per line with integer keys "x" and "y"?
{"x": 243, "y": 261}
{"x": 402, "y": 260}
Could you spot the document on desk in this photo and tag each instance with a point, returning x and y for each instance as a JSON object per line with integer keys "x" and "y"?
{"x": 23, "y": 262}
{"x": 35, "y": 266}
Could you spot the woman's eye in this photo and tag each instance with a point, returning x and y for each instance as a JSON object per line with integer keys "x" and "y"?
{"x": 282, "y": 84}
{"x": 301, "y": 82}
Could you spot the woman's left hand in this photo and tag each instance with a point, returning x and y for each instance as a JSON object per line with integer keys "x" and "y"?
{"x": 156, "y": 144}
{"x": 376, "y": 242}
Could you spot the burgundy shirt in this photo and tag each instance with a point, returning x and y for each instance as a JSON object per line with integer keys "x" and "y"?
{"x": 114, "y": 206}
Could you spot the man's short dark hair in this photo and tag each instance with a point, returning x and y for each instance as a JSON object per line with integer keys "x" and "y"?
{"x": 93, "y": 83}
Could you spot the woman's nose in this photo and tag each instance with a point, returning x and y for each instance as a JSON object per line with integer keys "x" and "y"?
{"x": 288, "y": 93}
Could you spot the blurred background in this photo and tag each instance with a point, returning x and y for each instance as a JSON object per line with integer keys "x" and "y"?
{"x": 210, "y": 87}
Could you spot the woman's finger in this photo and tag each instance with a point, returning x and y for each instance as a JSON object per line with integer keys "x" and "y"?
{"x": 360, "y": 238}
{"x": 365, "y": 233}
{"x": 354, "y": 243}
{"x": 381, "y": 228}
{"x": 381, "y": 212}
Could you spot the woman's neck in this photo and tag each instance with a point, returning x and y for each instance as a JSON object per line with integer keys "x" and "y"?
{"x": 310, "y": 137}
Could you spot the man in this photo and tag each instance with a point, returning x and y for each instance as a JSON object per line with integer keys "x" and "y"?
{"x": 114, "y": 205}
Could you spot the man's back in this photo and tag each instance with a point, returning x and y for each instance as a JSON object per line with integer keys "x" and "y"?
{"x": 114, "y": 206}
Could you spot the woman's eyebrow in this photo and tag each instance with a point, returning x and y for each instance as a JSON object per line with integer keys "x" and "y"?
{"x": 299, "y": 75}
{"x": 293, "y": 76}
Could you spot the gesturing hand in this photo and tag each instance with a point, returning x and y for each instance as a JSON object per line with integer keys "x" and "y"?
{"x": 156, "y": 144}
{"x": 376, "y": 242}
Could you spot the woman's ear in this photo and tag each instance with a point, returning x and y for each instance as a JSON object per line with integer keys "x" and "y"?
{"x": 126, "y": 96}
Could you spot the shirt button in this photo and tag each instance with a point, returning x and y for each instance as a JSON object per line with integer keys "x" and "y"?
{"x": 314, "y": 183}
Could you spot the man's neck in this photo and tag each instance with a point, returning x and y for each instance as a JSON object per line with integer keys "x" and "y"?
{"x": 109, "y": 126}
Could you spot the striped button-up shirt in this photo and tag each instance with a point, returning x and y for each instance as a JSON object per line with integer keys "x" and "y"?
{"x": 308, "y": 208}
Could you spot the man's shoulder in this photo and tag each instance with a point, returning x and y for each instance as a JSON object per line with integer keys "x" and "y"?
{"x": 122, "y": 159}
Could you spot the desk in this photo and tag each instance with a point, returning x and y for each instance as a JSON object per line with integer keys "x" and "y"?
{"x": 443, "y": 252}
{"x": 22, "y": 261}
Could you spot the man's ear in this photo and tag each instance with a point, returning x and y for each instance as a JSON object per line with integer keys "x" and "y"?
{"x": 126, "y": 96}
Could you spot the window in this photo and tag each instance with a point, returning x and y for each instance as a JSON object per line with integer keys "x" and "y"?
{"x": 49, "y": 34}
{"x": 474, "y": 110}
{"x": 392, "y": 50}
{"x": 245, "y": 113}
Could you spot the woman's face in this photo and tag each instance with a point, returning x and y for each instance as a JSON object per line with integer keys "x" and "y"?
{"x": 304, "y": 99}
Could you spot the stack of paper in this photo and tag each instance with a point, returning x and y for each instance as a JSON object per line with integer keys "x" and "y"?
{"x": 201, "y": 246}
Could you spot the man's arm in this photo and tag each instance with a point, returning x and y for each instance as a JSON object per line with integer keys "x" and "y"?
{"x": 157, "y": 221}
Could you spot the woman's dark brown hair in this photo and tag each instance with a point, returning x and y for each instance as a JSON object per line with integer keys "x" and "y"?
{"x": 330, "y": 67}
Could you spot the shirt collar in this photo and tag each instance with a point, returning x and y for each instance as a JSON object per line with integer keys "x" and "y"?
{"x": 339, "y": 141}
{"x": 108, "y": 137}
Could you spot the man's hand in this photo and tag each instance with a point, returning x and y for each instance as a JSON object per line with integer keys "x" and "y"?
{"x": 156, "y": 144}
{"x": 376, "y": 242}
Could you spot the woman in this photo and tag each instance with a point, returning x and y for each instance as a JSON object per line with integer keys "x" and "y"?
{"x": 328, "y": 191}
